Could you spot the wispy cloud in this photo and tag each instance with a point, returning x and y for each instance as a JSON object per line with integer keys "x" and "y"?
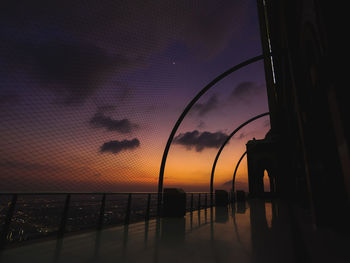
{"x": 203, "y": 108}
{"x": 246, "y": 91}
{"x": 99, "y": 120}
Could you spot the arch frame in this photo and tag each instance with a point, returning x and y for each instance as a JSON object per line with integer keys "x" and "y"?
{"x": 235, "y": 172}
{"x": 189, "y": 106}
{"x": 225, "y": 143}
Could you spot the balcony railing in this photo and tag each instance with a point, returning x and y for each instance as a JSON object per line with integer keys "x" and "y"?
{"x": 29, "y": 216}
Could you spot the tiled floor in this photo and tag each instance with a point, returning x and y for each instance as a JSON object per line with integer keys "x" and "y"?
{"x": 255, "y": 231}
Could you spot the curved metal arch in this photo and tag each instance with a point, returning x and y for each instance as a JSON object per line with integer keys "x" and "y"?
{"x": 189, "y": 106}
{"x": 224, "y": 144}
{"x": 235, "y": 172}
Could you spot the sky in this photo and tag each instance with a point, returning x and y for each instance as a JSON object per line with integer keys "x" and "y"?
{"x": 90, "y": 91}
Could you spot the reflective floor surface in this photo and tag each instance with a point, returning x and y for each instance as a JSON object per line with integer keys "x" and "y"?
{"x": 255, "y": 231}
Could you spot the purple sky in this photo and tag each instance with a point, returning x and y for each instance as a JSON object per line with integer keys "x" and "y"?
{"x": 91, "y": 89}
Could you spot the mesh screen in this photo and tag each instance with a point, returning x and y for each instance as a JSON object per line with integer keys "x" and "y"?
{"x": 90, "y": 91}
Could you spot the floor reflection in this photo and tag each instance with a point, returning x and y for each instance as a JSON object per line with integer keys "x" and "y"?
{"x": 221, "y": 214}
{"x": 265, "y": 227}
{"x": 254, "y": 231}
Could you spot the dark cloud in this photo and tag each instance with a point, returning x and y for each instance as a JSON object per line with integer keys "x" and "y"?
{"x": 201, "y": 140}
{"x": 72, "y": 70}
{"x": 118, "y": 146}
{"x": 246, "y": 91}
{"x": 73, "y": 48}
{"x": 203, "y": 108}
{"x": 140, "y": 25}
{"x": 99, "y": 120}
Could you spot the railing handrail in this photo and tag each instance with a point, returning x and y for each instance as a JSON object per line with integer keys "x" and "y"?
{"x": 68, "y": 203}
{"x": 75, "y": 193}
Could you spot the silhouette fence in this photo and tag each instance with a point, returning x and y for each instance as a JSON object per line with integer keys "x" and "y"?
{"x": 28, "y": 216}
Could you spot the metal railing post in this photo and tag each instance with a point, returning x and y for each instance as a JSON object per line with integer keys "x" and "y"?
{"x": 66, "y": 214}
{"x": 148, "y": 207}
{"x": 128, "y": 208}
{"x": 199, "y": 202}
{"x": 191, "y": 202}
{"x": 62, "y": 228}
{"x": 102, "y": 212}
{"x": 199, "y": 209}
{"x": 8, "y": 220}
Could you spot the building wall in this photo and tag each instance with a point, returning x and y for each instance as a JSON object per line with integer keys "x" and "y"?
{"x": 309, "y": 108}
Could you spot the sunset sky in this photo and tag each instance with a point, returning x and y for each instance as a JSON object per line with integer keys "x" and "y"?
{"x": 90, "y": 91}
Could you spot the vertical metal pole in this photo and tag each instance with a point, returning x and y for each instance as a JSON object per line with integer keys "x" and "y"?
{"x": 199, "y": 201}
{"x": 191, "y": 202}
{"x": 199, "y": 209}
{"x": 148, "y": 207}
{"x": 102, "y": 212}
{"x": 62, "y": 228}
{"x": 128, "y": 208}
{"x": 8, "y": 220}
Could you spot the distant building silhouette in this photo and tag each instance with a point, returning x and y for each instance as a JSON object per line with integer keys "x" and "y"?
{"x": 261, "y": 156}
